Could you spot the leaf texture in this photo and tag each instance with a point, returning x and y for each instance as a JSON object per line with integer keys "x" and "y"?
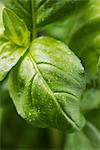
{"x": 9, "y": 56}
{"x": 46, "y": 11}
{"x": 47, "y": 85}
{"x": 15, "y": 29}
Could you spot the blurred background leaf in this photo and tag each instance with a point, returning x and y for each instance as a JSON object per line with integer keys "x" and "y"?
{"x": 88, "y": 139}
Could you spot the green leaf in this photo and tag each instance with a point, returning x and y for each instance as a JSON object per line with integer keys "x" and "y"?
{"x": 9, "y": 56}
{"x": 15, "y": 28}
{"x": 22, "y": 8}
{"x": 46, "y": 11}
{"x": 88, "y": 139}
{"x": 47, "y": 85}
{"x": 14, "y": 43}
{"x": 55, "y": 10}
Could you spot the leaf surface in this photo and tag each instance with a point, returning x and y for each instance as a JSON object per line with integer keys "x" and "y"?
{"x": 15, "y": 29}
{"x": 46, "y": 11}
{"x": 46, "y": 89}
{"x": 9, "y": 56}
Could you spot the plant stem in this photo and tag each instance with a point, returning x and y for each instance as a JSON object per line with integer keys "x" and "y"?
{"x": 33, "y": 20}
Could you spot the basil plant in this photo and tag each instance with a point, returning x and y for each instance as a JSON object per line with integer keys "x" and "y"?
{"x": 46, "y": 79}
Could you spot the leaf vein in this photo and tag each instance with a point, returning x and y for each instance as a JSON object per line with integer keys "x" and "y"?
{"x": 52, "y": 94}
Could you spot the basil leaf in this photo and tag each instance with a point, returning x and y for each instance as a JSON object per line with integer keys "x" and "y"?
{"x": 22, "y": 8}
{"x": 88, "y": 139}
{"x": 47, "y": 85}
{"x": 46, "y": 11}
{"x": 15, "y": 28}
{"x": 9, "y": 56}
{"x": 55, "y": 10}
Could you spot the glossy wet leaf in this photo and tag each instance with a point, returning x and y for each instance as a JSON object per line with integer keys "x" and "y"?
{"x": 15, "y": 29}
{"x": 47, "y": 85}
{"x": 46, "y": 11}
{"x": 22, "y": 8}
{"x": 9, "y": 55}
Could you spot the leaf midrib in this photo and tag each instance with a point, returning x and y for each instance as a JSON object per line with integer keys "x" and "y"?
{"x": 74, "y": 124}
